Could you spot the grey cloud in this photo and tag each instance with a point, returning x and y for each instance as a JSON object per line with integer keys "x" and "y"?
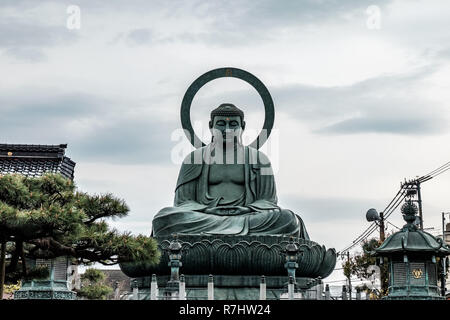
{"x": 387, "y": 104}
{"x": 443, "y": 55}
{"x": 45, "y": 105}
{"x": 384, "y": 104}
{"x": 218, "y": 37}
{"x": 146, "y": 36}
{"x": 236, "y": 12}
{"x": 326, "y": 209}
{"x": 316, "y": 103}
{"x": 41, "y": 116}
{"x": 27, "y": 41}
{"x": 13, "y": 34}
{"x": 6, "y": 3}
{"x": 237, "y": 22}
{"x": 109, "y": 134}
{"x": 130, "y": 141}
{"x": 140, "y": 36}
{"x": 399, "y": 124}
{"x": 26, "y": 54}
{"x": 262, "y": 15}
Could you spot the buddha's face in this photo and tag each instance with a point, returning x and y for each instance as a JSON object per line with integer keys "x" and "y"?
{"x": 226, "y": 128}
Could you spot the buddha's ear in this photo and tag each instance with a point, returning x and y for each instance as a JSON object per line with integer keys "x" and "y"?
{"x": 243, "y": 125}
{"x": 210, "y": 124}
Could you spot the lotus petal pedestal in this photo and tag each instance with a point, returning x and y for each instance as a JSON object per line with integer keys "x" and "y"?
{"x": 237, "y": 264}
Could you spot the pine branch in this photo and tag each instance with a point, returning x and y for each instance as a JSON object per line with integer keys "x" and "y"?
{"x": 51, "y": 218}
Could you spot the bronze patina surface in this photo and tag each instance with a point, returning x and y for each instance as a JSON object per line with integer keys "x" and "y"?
{"x": 240, "y": 256}
{"x": 413, "y": 256}
{"x": 225, "y": 211}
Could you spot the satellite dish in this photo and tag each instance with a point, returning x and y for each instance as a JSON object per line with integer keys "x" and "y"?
{"x": 372, "y": 215}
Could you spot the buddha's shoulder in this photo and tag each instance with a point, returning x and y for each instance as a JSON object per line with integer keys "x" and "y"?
{"x": 196, "y": 156}
{"x": 258, "y": 157}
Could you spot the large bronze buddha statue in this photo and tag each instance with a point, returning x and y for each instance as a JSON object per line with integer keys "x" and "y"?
{"x": 225, "y": 214}
{"x": 226, "y": 188}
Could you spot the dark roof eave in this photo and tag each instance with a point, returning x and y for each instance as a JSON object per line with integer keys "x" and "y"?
{"x": 438, "y": 252}
{"x": 34, "y": 160}
{"x": 32, "y": 147}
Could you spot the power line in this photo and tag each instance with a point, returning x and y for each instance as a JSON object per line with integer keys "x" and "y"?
{"x": 434, "y": 173}
{"x": 435, "y": 170}
{"x": 393, "y": 225}
{"x": 390, "y": 211}
{"x": 393, "y": 205}
{"x": 397, "y": 203}
{"x": 358, "y": 239}
{"x": 393, "y": 200}
{"x": 441, "y": 171}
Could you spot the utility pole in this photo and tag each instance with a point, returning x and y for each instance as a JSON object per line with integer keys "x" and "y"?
{"x": 443, "y": 264}
{"x": 412, "y": 188}
{"x": 382, "y": 238}
{"x": 382, "y": 235}
{"x": 373, "y": 216}
{"x": 419, "y": 201}
{"x": 349, "y": 278}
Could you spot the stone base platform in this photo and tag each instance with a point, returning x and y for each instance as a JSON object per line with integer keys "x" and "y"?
{"x": 236, "y": 264}
{"x": 226, "y": 287}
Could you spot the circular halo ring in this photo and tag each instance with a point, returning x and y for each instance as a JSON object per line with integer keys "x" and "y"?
{"x": 185, "y": 112}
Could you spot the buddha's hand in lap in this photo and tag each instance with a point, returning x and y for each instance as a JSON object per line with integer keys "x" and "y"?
{"x": 228, "y": 210}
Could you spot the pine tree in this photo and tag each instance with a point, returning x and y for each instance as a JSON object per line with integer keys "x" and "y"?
{"x": 47, "y": 217}
{"x": 93, "y": 285}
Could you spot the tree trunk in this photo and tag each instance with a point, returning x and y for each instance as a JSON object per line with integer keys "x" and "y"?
{"x": 12, "y": 266}
{"x": 2, "y": 267}
{"x": 24, "y": 263}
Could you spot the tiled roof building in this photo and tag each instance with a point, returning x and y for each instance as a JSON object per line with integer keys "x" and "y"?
{"x": 119, "y": 281}
{"x": 34, "y": 160}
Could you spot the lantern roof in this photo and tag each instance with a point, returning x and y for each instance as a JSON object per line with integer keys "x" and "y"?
{"x": 411, "y": 239}
{"x": 175, "y": 245}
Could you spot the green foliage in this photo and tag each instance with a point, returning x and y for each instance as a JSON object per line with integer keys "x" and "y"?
{"x": 36, "y": 273}
{"x": 11, "y": 288}
{"x": 359, "y": 263}
{"x": 95, "y": 292}
{"x": 40, "y": 272}
{"x": 93, "y": 276}
{"x": 93, "y": 286}
{"x": 46, "y": 217}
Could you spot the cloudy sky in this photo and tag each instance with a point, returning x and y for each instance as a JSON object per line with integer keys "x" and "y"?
{"x": 361, "y": 91}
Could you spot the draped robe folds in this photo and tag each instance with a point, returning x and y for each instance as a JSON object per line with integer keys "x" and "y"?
{"x": 192, "y": 197}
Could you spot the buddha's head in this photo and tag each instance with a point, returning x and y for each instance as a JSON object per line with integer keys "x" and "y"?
{"x": 227, "y": 122}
